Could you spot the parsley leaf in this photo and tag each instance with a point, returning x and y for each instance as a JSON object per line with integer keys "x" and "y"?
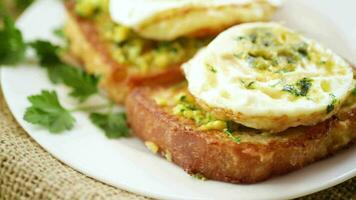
{"x": 45, "y": 110}
{"x": 83, "y": 85}
{"x": 22, "y": 4}
{"x": 47, "y": 52}
{"x": 114, "y": 125}
{"x": 354, "y": 91}
{"x": 48, "y": 58}
{"x": 3, "y": 10}
{"x": 12, "y": 45}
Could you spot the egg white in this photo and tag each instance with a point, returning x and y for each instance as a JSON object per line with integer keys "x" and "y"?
{"x": 267, "y": 106}
{"x": 170, "y": 19}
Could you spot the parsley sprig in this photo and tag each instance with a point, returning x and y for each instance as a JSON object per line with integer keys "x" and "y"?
{"x": 114, "y": 124}
{"x": 12, "y": 45}
{"x": 83, "y": 85}
{"x": 45, "y": 110}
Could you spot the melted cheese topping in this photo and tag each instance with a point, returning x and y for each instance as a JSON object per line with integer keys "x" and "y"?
{"x": 170, "y": 19}
{"x": 266, "y": 76}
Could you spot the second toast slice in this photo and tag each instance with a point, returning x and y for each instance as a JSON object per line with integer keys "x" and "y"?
{"x": 171, "y": 123}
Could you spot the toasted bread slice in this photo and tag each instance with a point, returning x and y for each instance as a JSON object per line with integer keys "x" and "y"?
{"x": 218, "y": 155}
{"x": 94, "y": 52}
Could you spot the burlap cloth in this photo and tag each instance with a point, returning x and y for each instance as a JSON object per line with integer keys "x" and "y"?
{"x": 28, "y": 172}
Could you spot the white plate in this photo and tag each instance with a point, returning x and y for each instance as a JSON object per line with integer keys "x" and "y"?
{"x": 127, "y": 164}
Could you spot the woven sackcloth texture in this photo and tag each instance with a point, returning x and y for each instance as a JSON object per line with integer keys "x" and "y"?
{"x": 29, "y": 172}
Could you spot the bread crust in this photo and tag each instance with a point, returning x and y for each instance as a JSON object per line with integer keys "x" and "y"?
{"x": 209, "y": 154}
{"x": 93, "y": 53}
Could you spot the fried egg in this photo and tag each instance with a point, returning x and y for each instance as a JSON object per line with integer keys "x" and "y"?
{"x": 170, "y": 19}
{"x": 266, "y": 76}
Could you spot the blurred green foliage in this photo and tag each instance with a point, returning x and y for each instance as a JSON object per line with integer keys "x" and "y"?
{"x": 22, "y": 4}
{"x": 13, "y": 7}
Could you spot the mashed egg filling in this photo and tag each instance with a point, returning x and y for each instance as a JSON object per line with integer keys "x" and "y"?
{"x": 266, "y": 76}
{"x": 140, "y": 55}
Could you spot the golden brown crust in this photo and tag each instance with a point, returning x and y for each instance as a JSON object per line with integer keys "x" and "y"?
{"x": 92, "y": 51}
{"x": 209, "y": 154}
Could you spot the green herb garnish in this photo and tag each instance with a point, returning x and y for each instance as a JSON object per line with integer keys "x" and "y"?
{"x": 45, "y": 110}
{"x": 48, "y": 58}
{"x": 114, "y": 124}
{"x": 22, "y": 4}
{"x": 250, "y": 85}
{"x": 331, "y": 106}
{"x": 83, "y": 85}
{"x": 232, "y": 137}
{"x": 12, "y": 45}
{"x": 304, "y": 86}
{"x": 301, "y": 88}
{"x": 211, "y": 68}
{"x": 230, "y": 130}
{"x": 59, "y": 32}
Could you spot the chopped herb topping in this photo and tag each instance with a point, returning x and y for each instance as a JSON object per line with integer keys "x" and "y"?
{"x": 250, "y": 85}
{"x": 304, "y": 86}
{"x": 332, "y": 104}
{"x": 230, "y": 127}
{"x": 182, "y": 98}
{"x": 273, "y": 50}
{"x": 301, "y": 88}
{"x": 232, "y": 137}
{"x": 303, "y": 50}
{"x": 354, "y": 91}
{"x": 291, "y": 89}
{"x": 211, "y": 68}
{"x": 239, "y": 38}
